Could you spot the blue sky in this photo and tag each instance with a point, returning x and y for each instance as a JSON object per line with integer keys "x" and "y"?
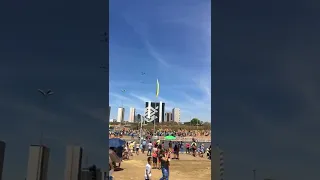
{"x": 169, "y": 41}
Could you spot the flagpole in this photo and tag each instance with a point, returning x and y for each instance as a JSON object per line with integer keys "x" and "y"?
{"x": 157, "y": 94}
{"x": 141, "y": 121}
{"x": 154, "y": 123}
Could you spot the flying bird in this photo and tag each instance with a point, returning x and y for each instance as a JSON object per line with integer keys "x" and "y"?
{"x": 104, "y": 68}
{"x": 123, "y": 90}
{"x": 143, "y": 73}
{"x": 46, "y": 93}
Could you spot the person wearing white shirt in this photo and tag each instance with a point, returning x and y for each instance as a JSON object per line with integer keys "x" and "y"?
{"x": 147, "y": 174}
{"x": 149, "y": 148}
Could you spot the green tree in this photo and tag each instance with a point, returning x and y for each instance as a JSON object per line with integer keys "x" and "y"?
{"x": 195, "y": 121}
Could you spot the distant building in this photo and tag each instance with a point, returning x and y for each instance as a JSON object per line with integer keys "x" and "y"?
{"x": 2, "y": 154}
{"x": 86, "y": 174}
{"x": 155, "y": 111}
{"x": 137, "y": 118}
{"x": 120, "y": 117}
{"x": 113, "y": 120}
{"x": 132, "y": 115}
{"x": 38, "y": 162}
{"x": 168, "y": 117}
{"x": 104, "y": 175}
{"x": 73, "y": 163}
{"x": 176, "y": 115}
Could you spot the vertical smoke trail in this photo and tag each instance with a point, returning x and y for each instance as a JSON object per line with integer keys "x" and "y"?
{"x": 221, "y": 159}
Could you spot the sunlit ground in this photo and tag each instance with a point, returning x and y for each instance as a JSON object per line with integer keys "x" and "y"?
{"x": 187, "y": 168}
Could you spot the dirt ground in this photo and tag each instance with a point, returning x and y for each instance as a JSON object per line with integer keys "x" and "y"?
{"x": 187, "y": 168}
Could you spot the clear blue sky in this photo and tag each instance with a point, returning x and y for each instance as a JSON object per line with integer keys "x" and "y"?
{"x": 168, "y": 40}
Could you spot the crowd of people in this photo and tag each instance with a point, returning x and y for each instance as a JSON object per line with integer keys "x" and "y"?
{"x": 160, "y": 132}
{"x": 159, "y": 155}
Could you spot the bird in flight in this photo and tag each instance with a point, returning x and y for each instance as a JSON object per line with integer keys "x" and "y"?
{"x": 46, "y": 93}
{"x": 106, "y": 37}
{"x": 143, "y": 73}
{"x": 104, "y": 68}
{"x": 123, "y": 90}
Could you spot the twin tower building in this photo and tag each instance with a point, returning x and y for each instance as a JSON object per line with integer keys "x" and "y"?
{"x": 154, "y": 111}
{"x": 38, "y": 163}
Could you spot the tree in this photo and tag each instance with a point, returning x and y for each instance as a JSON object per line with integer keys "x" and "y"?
{"x": 195, "y": 121}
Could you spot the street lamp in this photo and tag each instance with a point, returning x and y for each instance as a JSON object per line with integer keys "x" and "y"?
{"x": 45, "y": 95}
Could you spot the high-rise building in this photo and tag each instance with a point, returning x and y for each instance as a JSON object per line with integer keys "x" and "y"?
{"x": 168, "y": 117}
{"x": 2, "y": 152}
{"x": 109, "y": 112}
{"x": 120, "y": 117}
{"x": 176, "y": 115}
{"x": 38, "y": 162}
{"x": 132, "y": 115}
{"x": 155, "y": 111}
{"x": 73, "y": 163}
{"x": 217, "y": 163}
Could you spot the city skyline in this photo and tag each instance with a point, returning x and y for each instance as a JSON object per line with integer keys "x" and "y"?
{"x": 171, "y": 111}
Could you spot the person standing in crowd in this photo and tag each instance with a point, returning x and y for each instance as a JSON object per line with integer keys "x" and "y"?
{"x": 131, "y": 147}
{"x": 176, "y": 150}
{"x": 144, "y": 143}
{"x": 159, "y": 152}
{"x": 170, "y": 146}
{"x": 137, "y": 148}
{"x": 165, "y": 163}
{"x": 155, "y": 157}
{"x": 194, "y": 148}
{"x": 147, "y": 175}
{"x": 187, "y": 148}
{"x": 149, "y": 148}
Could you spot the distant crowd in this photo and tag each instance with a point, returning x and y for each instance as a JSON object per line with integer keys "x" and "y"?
{"x": 160, "y": 132}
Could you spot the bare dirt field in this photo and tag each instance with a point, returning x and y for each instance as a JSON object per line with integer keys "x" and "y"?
{"x": 187, "y": 168}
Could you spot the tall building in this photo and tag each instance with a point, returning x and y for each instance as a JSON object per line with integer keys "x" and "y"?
{"x": 137, "y": 119}
{"x": 155, "y": 111}
{"x": 168, "y": 117}
{"x": 176, "y": 115}
{"x": 132, "y": 115}
{"x": 217, "y": 158}
{"x": 38, "y": 162}
{"x": 109, "y": 112}
{"x": 2, "y": 152}
{"x": 73, "y": 163}
{"x": 120, "y": 117}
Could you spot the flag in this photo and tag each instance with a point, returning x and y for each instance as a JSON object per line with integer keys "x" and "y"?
{"x": 158, "y": 88}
